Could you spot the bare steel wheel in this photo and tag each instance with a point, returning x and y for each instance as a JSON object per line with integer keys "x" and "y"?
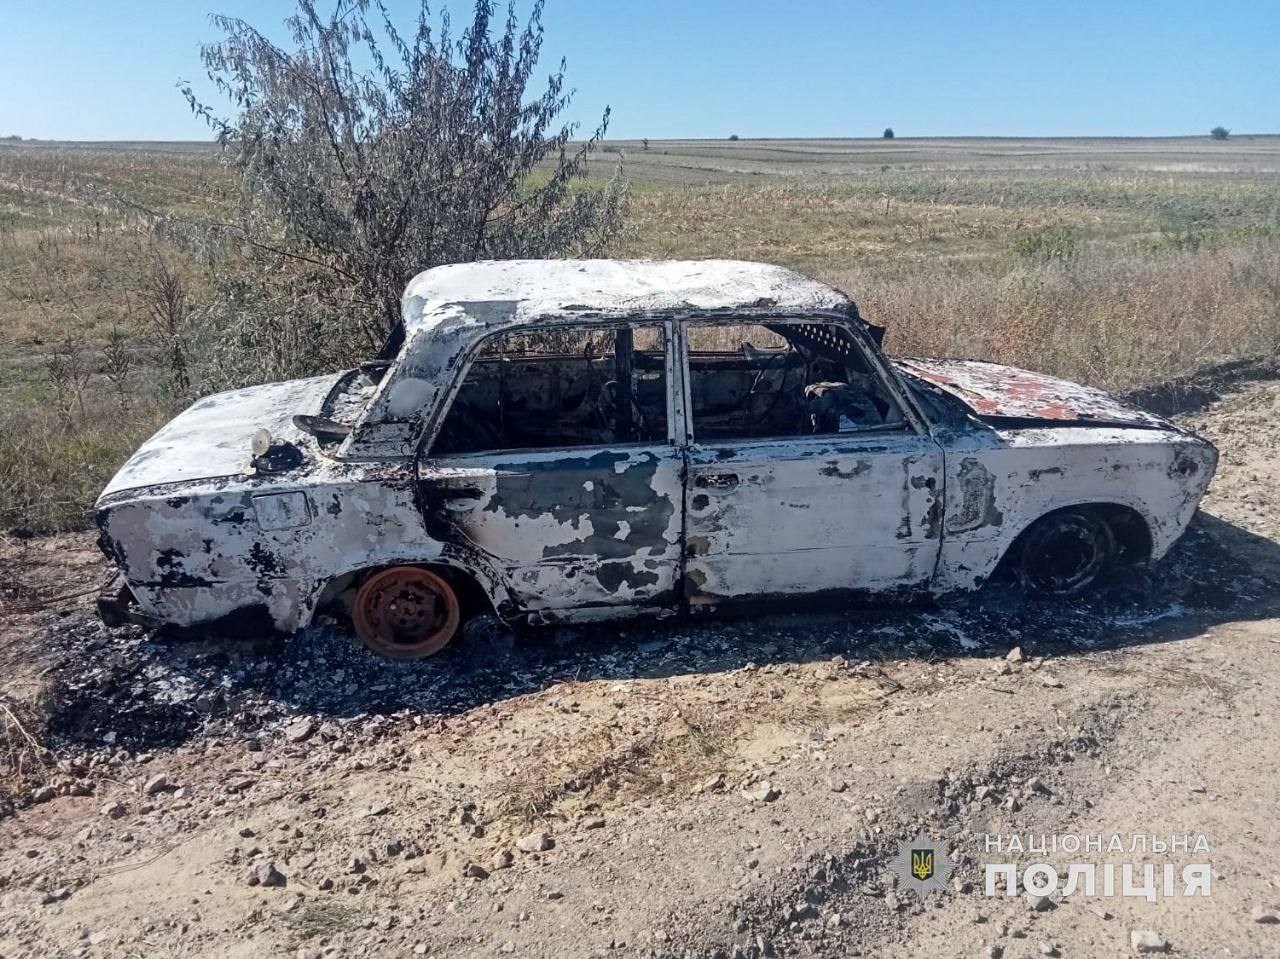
{"x": 1064, "y": 553}
{"x": 406, "y": 613}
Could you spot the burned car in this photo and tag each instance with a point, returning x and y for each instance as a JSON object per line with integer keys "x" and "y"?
{"x": 586, "y": 440}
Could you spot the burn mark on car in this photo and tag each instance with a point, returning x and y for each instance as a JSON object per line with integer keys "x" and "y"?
{"x": 833, "y": 469}
{"x": 611, "y": 514}
{"x": 1012, "y": 397}
{"x": 172, "y": 572}
{"x": 1036, "y": 475}
{"x": 263, "y": 562}
{"x": 697, "y": 546}
{"x": 615, "y": 575}
{"x": 933, "y": 519}
{"x": 977, "y": 506}
{"x": 904, "y": 530}
{"x": 1183, "y": 466}
{"x": 236, "y": 514}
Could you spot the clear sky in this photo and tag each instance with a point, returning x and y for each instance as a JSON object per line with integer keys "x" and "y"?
{"x": 106, "y": 69}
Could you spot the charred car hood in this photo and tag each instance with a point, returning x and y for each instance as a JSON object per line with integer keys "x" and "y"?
{"x": 997, "y": 392}
{"x": 211, "y": 439}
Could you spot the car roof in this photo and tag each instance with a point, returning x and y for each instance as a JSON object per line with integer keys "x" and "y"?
{"x": 516, "y": 292}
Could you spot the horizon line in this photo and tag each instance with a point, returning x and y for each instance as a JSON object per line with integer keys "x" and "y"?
{"x": 737, "y": 138}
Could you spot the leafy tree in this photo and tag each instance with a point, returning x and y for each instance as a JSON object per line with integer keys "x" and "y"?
{"x": 733, "y": 136}
{"x": 1219, "y": 133}
{"x": 888, "y": 133}
{"x": 367, "y": 155}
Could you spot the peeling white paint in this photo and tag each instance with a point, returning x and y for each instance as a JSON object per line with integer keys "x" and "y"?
{"x": 926, "y": 504}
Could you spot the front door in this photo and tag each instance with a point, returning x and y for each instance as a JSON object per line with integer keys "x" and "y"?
{"x": 555, "y": 471}
{"x": 804, "y": 476}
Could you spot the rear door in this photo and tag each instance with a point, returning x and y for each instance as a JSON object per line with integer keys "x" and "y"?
{"x": 777, "y": 504}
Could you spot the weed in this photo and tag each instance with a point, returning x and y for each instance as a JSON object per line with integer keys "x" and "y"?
{"x": 1048, "y": 244}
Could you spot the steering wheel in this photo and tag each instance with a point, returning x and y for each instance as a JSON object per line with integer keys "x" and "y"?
{"x": 770, "y": 361}
{"x": 767, "y": 360}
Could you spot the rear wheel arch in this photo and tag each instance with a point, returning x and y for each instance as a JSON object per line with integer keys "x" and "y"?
{"x": 1132, "y": 532}
{"x": 1125, "y": 538}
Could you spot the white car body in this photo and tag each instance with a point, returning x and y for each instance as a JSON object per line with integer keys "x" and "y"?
{"x": 204, "y": 538}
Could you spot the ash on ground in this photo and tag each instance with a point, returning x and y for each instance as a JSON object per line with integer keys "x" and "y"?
{"x": 135, "y": 690}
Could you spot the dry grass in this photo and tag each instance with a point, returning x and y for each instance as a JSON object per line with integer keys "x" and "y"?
{"x": 1116, "y": 320}
{"x": 1113, "y": 262}
{"x": 52, "y": 470}
{"x": 24, "y": 760}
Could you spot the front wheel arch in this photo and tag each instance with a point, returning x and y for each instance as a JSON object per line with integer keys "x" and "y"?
{"x": 338, "y": 593}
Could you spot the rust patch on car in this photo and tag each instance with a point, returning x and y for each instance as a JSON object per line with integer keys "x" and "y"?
{"x": 1005, "y": 392}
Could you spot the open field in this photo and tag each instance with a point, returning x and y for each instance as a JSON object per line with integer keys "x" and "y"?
{"x": 693, "y": 789}
{"x": 1115, "y": 262}
{"x": 708, "y": 789}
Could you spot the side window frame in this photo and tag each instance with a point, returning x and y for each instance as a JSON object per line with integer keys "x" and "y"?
{"x": 675, "y": 410}
{"x": 911, "y": 419}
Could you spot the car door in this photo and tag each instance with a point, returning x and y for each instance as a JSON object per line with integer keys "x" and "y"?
{"x": 588, "y": 524}
{"x": 854, "y": 511}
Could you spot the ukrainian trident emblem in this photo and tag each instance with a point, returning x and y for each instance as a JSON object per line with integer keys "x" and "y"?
{"x": 921, "y": 864}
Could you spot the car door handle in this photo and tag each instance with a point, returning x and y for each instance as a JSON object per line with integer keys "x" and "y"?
{"x": 717, "y": 480}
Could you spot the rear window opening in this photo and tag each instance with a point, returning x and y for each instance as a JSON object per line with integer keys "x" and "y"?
{"x": 779, "y": 380}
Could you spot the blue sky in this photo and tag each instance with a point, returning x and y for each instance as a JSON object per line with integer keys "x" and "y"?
{"x": 709, "y": 68}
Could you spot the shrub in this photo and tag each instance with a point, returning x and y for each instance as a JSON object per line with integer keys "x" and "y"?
{"x": 733, "y": 136}
{"x": 366, "y": 156}
{"x": 1219, "y": 133}
{"x": 888, "y": 133}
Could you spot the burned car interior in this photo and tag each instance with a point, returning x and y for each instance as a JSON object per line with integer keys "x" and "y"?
{"x": 781, "y": 379}
{"x": 561, "y": 388}
{"x": 595, "y": 387}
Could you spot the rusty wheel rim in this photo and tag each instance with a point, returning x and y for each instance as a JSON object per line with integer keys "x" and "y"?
{"x": 406, "y": 613}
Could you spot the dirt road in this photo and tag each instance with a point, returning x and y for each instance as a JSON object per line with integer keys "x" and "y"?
{"x": 728, "y": 789}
